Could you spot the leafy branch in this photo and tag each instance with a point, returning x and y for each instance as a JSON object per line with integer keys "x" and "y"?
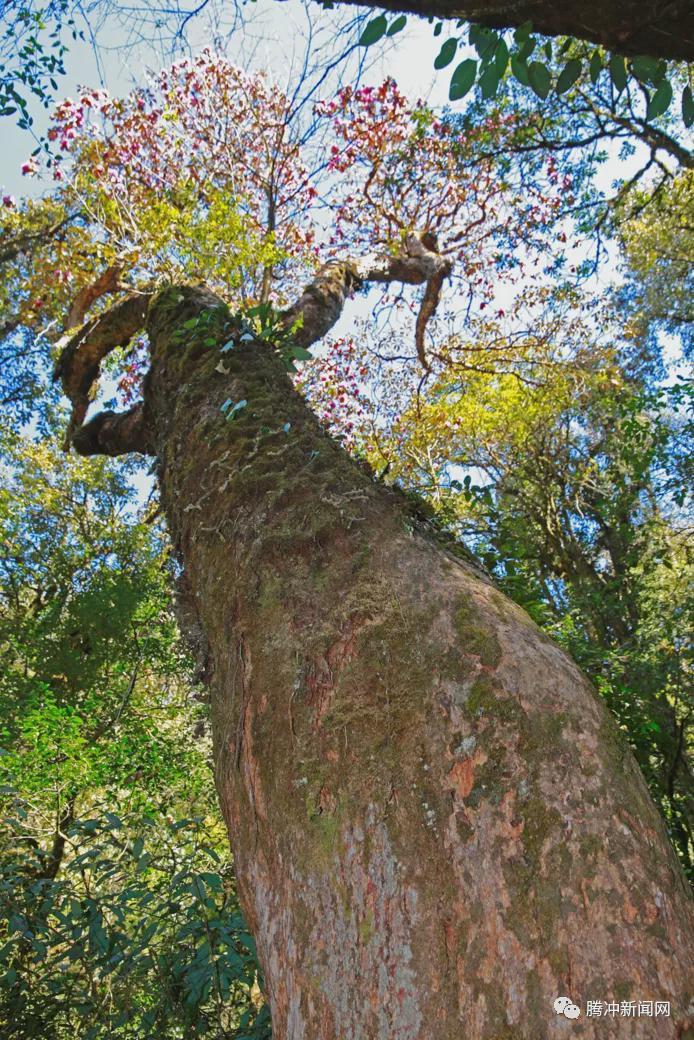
{"x": 527, "y": 58}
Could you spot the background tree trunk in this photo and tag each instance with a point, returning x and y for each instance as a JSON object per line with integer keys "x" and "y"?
{"x": 661, "y": 28}
{"x": 437, "y": 829}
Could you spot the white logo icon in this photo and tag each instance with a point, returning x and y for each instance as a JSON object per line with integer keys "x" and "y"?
{"x": 564, "y": 1006}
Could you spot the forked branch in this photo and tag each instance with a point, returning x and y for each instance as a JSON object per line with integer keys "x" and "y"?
{"x": 315, "y": 312}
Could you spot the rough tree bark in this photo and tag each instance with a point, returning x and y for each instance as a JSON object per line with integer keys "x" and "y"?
{"x": 661, "y": 28}
{"x": 437, "y": 828}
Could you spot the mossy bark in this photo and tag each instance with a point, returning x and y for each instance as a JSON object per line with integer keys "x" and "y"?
{"x": 437, "y": 829}
{"x": 661, "y": 28}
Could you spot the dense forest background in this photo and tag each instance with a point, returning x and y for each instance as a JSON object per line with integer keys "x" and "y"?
{"x": 533, "y": 403}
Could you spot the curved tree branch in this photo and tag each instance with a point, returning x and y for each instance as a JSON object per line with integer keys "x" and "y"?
{"x": 89, "y": 294}
{"x": 322, "y": 301}
{"x": 115, "y": 433}
{"x": 79, "y": 363}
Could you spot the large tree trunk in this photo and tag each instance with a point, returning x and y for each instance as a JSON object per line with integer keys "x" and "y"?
{"x": 661, "y": 28}
{"x": 437, "y": 828}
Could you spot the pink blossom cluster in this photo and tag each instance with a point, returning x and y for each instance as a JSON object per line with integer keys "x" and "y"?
{"x": 334, "y": 384}
{"x": 399, "y": 168}
{"x": 204, "y": 122}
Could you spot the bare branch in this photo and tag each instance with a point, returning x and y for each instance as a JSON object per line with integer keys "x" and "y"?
{"x": 79, "y": 363}
{"x": 115, "y": 433}
{"x": 323, "y": 300}
{"x": 89, "y": 294}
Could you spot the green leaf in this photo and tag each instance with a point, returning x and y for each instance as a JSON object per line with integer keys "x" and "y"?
{"x": 301, "y": 353}
{"x": 437, "y": 28}
{"x": 489, "y": 82}
{"x": 373, "y": 31}
{"x": 568, "y": 75}
{"x": 644, "y": 68}
{"x": 660, "y": 102}
{"x": 527, "y": 49}
{"x": 501, "y": 57}
{"x": 648, "y": 70}
{"x": 687, "y": 106}
{"x": 97, "y": 936}
{"x": 462, "y": 79}
{"x": 213, "y": 881}
{"x": 520, "y": 70}
{"x": 618, "y": 71}
{"x": 483, "y": 40}
{"x": 595, "y": 66}
{"x": 523, "y": 32}
{"x": 397, "y": 25}
{"x": 148, "y": 932}
{"x": 540, "y": 79}
{"x": 446, "y": 54}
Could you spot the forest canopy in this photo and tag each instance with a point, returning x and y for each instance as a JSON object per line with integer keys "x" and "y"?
{"x": 507, "y": 347}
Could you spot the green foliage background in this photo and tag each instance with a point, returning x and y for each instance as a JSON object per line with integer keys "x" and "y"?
{"x": 118, "y": 914}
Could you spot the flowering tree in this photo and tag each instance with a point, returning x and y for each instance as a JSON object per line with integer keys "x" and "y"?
{"x": 161, "y": 186}
{"x": 202, "y": 176}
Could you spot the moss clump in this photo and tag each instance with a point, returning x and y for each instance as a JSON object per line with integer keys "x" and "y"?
{"x": 559, "y": 860}
{"x": 477, "y": 639}
{"x": 616, "y": 745}
{"x": 623, "y": 989}
{"x": 383, "y": 688}
{"x": 366, "y": 928}
{"x": 464, "y": 829}
{"x": 326, "y": 828}
{"x": 559, "y": 961}
{"x": 487, "y": 697}
{"x": 490, "y": 782}
{"x": 545, "y": 733}
{"x": 482, "y": 696}
{"x": 658, "y": 932}
{"x": 590, "y": 848}
{"x": 533, "y": 990}
{"x": 536, "y": 906}
{"x": 539, "y": 820}
{"x": 321, "y": 838}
